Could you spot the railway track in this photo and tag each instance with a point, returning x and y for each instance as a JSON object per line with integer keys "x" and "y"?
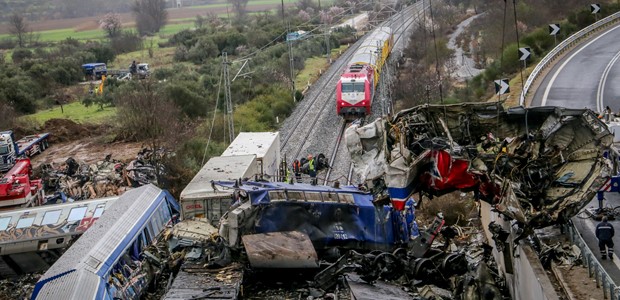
{"x": 338, "y": 148}
{"x": 319, "y": 126}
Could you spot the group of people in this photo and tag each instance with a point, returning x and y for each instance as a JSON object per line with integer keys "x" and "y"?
{"x": 310, "y": 165}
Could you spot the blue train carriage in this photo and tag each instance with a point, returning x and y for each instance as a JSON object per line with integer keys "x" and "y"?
{"x": 343, "y": 217}
{"x": 109, "y": 260}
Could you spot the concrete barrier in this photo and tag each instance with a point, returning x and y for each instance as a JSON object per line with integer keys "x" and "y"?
{"x": 519, "y": 264}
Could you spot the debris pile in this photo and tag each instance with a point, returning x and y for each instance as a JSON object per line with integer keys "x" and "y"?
{"x": 210, "y": 268}
{"x": 538, "y": 166}
{"x": 74, "y": 181}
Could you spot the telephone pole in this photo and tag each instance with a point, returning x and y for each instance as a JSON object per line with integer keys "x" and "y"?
{"x": 229, "y": 104}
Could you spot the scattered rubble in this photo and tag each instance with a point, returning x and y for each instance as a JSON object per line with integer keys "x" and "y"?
{"x": 74, "y": 181}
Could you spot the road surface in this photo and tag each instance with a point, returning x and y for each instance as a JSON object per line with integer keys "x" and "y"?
{"x": 587, "y": 76}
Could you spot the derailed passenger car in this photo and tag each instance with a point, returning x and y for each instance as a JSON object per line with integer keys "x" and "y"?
{"x": 344, "y": 216}
{"x": 538, "y": 166}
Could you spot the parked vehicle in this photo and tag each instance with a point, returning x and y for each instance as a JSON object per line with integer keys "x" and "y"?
{"x": 11, "y": 149}
{"x": 94, "y": 71}
{"x": 17, "y": 188}
{"x": 142, "y": 72}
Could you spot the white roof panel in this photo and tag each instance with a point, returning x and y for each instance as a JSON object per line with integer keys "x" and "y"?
{"x": 252, "y": 143}
{"x": 218, "y": 168}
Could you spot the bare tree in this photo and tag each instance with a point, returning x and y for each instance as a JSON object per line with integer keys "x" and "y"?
{"x": 111, "y": 24}
{"x": 239, "y": 7}
{"x": 144, "y": 113}
{"x": 151, "y": 15}
{"x": 19, "y": 28}
{"x": 148, "y": 115}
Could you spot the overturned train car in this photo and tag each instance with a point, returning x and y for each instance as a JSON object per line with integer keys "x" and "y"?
{"x": 331, "y": 217}
{"x": 538, "y": 166}
{"x": 118, "y": 258}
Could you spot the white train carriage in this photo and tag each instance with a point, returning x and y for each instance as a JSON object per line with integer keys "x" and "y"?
{"x": 30, "y": 238}
{"x": 108, "y": 261}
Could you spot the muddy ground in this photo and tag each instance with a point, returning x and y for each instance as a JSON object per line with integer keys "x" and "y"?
{"x": 84, "y": 142}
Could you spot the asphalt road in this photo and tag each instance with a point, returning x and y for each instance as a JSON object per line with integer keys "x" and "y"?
{"x": 587, "y": 76}
{"x": 587, "y": 226}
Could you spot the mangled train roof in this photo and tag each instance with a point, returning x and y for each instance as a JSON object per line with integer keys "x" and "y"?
{"x": 538, "y": 165}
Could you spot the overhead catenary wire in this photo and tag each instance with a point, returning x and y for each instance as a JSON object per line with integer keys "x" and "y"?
{"x": 437, "y": 68}
{"x": 217, "y": 100}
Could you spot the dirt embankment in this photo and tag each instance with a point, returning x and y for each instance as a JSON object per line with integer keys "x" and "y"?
{"x": 84, "y": 142}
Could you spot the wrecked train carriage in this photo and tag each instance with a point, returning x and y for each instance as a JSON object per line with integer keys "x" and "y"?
{"x": 120, "y": 256}
{"x": 539, "y": 165}
{"x": 32, "y": 238}
{"x": 345, "y": 217}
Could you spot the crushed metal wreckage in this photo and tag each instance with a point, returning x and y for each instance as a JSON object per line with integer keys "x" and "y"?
{"x": 538, "y": 166}
{"x": 74, "y": 181}
{"x": 334, "y": 243}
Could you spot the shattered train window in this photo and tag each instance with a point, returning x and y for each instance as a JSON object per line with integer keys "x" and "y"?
{"x": 51, "y": 217}
{"x": 296, "y": 196}
{"x": 99, "y": 211}
{"x": 330, "y": 197}
{"x": 77, "y": 214}
{"x": 313, "y": 197}
{"x": 4, "y": 223}
{"x": 346, "y": 198}
{"x": 25, "y": 222}
{"x": 277, "y": 196}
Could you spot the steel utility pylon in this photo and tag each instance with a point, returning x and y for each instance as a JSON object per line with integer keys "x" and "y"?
{"x": 229, "y": 104}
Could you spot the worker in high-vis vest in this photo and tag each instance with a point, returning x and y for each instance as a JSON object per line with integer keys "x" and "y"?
{"x": 311, "y": 168}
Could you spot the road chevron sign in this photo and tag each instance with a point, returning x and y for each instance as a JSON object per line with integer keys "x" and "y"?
{"x": 502, "y": 87}
{"x": 554, "y": 29}
{"x": 524, "y": 53}
{"x": 595, "y": 8}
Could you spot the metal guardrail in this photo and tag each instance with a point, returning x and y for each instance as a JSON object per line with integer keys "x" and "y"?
{"x": 562, "y": 47}
{"x": 603, "y": 280}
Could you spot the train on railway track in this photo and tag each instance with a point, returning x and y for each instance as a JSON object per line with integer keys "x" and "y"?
{"x": 356, "y": 88}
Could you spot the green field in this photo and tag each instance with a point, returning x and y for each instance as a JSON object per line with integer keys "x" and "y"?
{"x": 75, "y": 111}
{"x": 175, "y": 26}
